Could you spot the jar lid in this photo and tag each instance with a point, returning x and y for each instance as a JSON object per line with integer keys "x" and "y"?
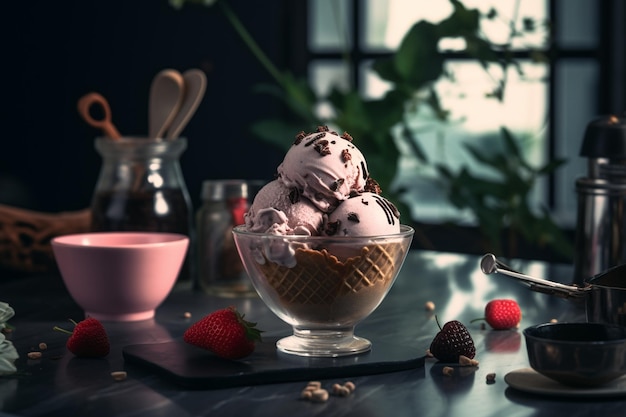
{"x": 219, "y": 190}
{"x": 605, "y": 138}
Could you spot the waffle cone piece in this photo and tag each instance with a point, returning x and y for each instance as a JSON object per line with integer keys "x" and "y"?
{"x": 319, "y": 278}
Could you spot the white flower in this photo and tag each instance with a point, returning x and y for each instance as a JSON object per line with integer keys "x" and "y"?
{"x": 6, "y": 312}
{"x": 8, "y": 353}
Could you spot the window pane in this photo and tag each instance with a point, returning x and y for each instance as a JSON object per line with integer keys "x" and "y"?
{"x": 324, "y": 75}
{"x": 387, "y": 21}
{"x": 476, "y": 119}
{"x": 329, "y": 25}
{"x": 524, "y": 106}
{"x": 576, "y": 90}
{"x": 577, "y": 26}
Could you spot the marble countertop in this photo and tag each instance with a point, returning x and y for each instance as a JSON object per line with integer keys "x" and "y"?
{"x": 60, "y": 384}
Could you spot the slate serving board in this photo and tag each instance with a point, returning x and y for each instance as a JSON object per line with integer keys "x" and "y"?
{"x": 197, "y": 368}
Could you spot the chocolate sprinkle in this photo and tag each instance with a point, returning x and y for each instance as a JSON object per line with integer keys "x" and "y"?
{"x": 315, "y": 139}
{"x": 394, "y": 209}
{"x": 332, "y": 228}
{"x": 371, "y": 186}
{"x": 390, "y": 210}
{"x": 322, "y": 131}
{"x": 346, "y": 155}
{"x": 338, "y": 183}
{"x": 294, "y": 195}
{"x": 365, "y": 173}
{"x": 354, "y": 217}
{"x": 301, "y": 135}
{"x": 322, "y": 147}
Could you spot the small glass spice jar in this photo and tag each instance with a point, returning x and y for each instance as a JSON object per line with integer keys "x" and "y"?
{"x": 219, "y": 268}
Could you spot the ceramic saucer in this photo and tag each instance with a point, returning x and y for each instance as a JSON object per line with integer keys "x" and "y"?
{"x": 529, "y": 380}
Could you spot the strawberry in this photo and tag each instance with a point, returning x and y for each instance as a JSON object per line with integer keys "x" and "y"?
{"x": 502, "y": 314}
{"x": 88, "y": 340}
{"x": 225, "y": 333}
{"x": 238, "y": 207}
{"x": 452, "y": 341}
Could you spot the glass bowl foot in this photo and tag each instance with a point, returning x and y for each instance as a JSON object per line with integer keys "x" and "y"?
{"x": 323, "y": 343}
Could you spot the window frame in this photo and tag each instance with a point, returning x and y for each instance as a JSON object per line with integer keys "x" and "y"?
{"x": 609, "y": 55}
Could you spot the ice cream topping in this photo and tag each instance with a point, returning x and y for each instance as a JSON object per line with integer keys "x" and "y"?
{"x": 322, "y": 187}
{"x": 326, "y": 167}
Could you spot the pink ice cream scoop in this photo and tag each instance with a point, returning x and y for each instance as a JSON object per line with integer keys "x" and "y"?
{"x": 366, "y": 214}
{"x": 279, "y": 209}
{"x": 326, "y": 168}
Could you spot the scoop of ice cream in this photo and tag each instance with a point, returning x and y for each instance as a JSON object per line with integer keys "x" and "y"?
{"x": 365, "y": 214}
{"x": 278, "y": 209}
{"x": 326, "y": 167}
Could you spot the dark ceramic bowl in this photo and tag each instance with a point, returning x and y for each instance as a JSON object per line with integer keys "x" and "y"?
{"x": 577, "y": 354}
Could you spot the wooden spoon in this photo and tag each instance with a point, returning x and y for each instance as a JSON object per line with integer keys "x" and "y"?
{"x": 166, "y": 96}
{"x": 195, "y": 86}
{"x": 106, "y": 124}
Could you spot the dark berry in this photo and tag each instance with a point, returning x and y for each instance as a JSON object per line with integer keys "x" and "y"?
{"x": 452, "y": 341}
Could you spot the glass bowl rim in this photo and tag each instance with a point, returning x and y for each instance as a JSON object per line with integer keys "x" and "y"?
{"x": 405, "y": 231}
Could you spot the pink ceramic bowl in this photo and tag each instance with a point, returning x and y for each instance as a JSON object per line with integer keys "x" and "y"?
{"x": 120, "y": 276}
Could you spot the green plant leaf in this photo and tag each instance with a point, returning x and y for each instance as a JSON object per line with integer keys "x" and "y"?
{"x": 417, "y": 60}
{"x": 461, "y": 22}
{"x": 435, "y": 104}
{"x": 386, "y": 70}
{"x": 510, "y": 146}
{"x": 481, "y": 49}
{"x": 551, "y": 166}
{"x": 408, "y": 137}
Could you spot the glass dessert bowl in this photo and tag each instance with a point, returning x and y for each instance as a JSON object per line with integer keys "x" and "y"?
{"x": 322, "y": 286}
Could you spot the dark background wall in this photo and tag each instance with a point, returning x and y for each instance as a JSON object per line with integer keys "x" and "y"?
{"x": 53, "y": 52}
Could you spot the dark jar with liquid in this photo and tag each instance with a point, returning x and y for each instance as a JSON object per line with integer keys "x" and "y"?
{"x": 141, "y": 188}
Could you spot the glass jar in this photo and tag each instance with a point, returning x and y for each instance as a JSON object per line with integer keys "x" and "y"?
{"x": 141, "y": 188}
{"x": 220, "y": 270}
